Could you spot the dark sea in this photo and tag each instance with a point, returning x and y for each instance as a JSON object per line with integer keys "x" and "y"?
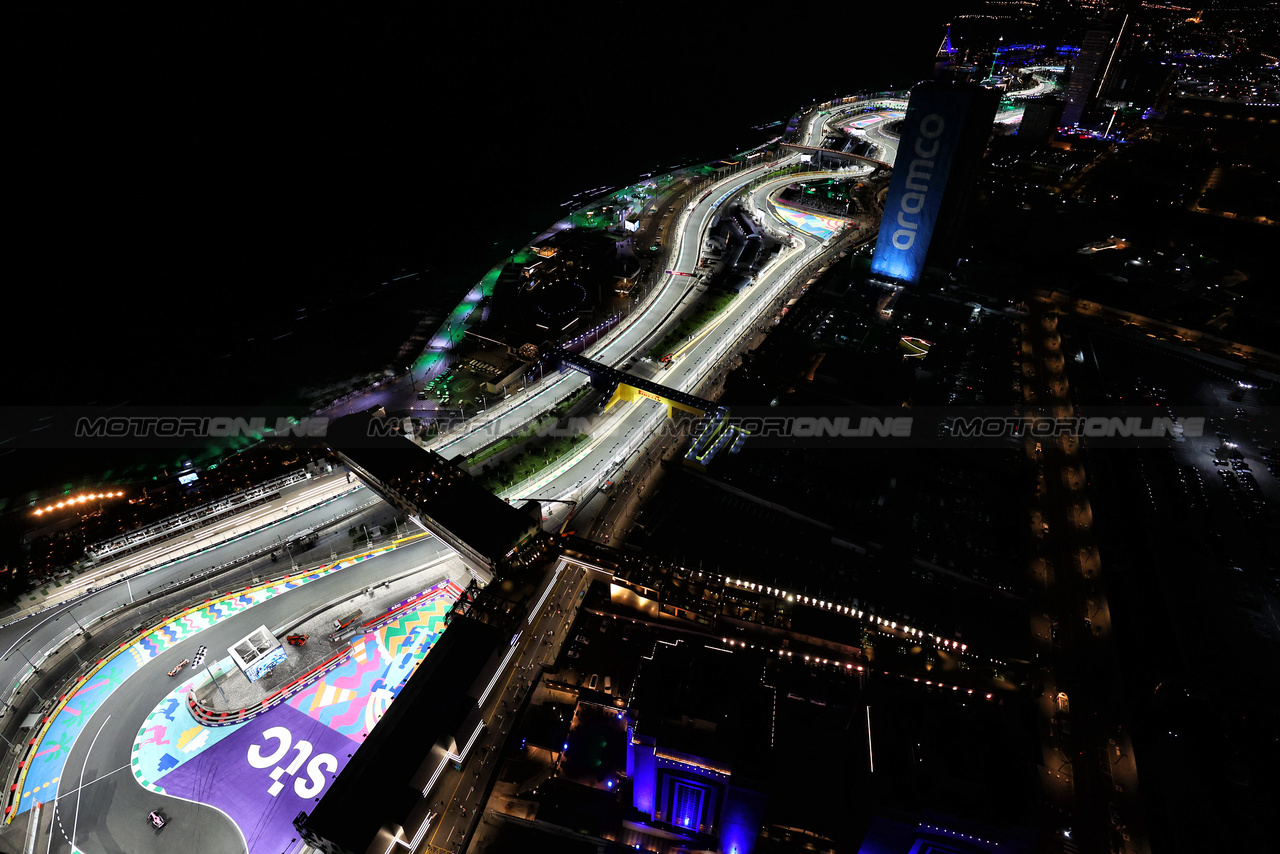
{"x": 233, "y": 218}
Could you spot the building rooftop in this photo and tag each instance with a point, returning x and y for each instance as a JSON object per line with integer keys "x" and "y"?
{"x": 708, "y": 702}
{"x": 377, "y": 785}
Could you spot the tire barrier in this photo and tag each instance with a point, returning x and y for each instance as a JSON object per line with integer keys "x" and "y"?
{"x": 212, "y": 717}
{"x": 13, "y": 796}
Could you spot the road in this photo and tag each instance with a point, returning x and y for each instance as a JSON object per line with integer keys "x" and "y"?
{"x": 462, "y": 792}
{"x": 656, "y": 315}
{"x": 623, "y": 436}
{"x": 1082, "y": 732}
{"x": 108, "y": 815}
{"x": 25, "y": 641}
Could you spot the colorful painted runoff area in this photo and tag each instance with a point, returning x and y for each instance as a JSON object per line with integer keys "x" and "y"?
{"x": 45, "y": 770}
{"x": 872, "y": 118}
{"x": 818, "y": 225}
{"x": 262, "y": 773}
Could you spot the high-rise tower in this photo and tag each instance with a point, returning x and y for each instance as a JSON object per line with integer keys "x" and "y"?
{"x": 1091, "y": 68}
{"x": 944, "y": 59}
{"x": 1084, "y": 72}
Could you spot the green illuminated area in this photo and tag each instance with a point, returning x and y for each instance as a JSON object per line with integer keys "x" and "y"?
{"x": 468, "y": 312}
{"x": 566, "y": 405}
{"x": 540, "y": 452}
{"x": 702, "y": 313}
{"x": 511, "y": 440}
{"x": 914, "y": 348}
{"x": 591, "y": 218}
{"x": 453, "y": 329}
{"x": 538, "y": 455}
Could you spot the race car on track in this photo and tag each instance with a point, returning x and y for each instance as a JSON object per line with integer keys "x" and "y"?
{"x": 157, "y": 820}
{"x": 181, "y": 664}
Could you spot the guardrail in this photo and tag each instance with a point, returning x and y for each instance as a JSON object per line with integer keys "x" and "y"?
{"x": 652, "y": 276}
{"x": 213, "y": 717}
{"x": 57, "y": 699}
{"x": 512, "y": 491}
{"x": 14, "y": 794}
{"x": 179, "y": 522}
{"x": 655, "y": 275}
{"x": 210, "y": 717}
{"x": 108, "y": 582}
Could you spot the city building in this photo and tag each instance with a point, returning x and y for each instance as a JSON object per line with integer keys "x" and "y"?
{"x": 1041, "y": 119}
{"x": 699, "y": 739}
{"x": 1091, "y": 70}
{"x": 391, "y": 778}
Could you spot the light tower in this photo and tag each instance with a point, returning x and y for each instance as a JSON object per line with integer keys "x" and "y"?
{"x": 944, "y": 60}
{"x": 945, "y": 50}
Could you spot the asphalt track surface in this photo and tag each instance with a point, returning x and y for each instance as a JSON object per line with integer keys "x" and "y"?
{"x": 648, "y": 323}
{"x": 635, "y": 425}
{"x": 109, "y": 814}
{"x": 629, "y": 429}
{"x": 105, "y": 810}
{"x": 46, "y": 630}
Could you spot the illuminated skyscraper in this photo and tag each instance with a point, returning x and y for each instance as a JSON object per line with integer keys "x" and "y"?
{"x": 1084, "y": 71}
{"x": 1091, "y": 68}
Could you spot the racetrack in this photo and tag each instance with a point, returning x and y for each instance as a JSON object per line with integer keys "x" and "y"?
{"x": 102, "y": 806}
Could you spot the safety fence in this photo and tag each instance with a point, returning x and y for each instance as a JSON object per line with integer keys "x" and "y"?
{"x": 180, "y": 522}
{"x": 108, "y": 581}
{"x": 54, "y": 706}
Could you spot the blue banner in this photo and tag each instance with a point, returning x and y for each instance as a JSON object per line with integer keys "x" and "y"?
{"x": 931, "y": 133}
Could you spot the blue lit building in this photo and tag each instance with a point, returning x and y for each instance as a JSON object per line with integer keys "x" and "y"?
{"x": 944, "y": 135}
{"x": 699, "y": 739}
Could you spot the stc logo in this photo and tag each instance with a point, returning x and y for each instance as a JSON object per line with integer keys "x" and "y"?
{"x": 919, "y": 173}
{"x": 316, "y": 768}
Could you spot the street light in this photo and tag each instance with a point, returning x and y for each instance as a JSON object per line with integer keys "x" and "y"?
{"x": 82, "y": 631}
{"x": 34, "y": 669}
{"x": 73, "y": 617}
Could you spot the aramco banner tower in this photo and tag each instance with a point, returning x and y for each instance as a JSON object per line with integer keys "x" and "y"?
{"x": 944, "y": 134}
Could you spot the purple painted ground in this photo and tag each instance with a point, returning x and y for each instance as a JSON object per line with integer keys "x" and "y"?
{"x": 265, "y": 774}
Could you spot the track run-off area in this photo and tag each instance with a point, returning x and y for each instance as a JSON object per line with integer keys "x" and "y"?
{"x": 122, "y": 741}
{"x": 237, "y": 788}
